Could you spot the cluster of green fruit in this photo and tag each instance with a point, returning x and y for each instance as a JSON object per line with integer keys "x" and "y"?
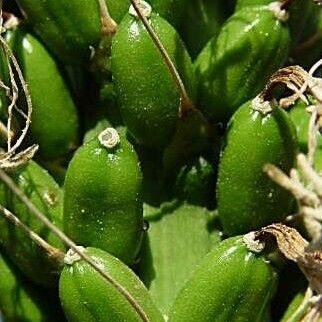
{"x": 154, "y": 121}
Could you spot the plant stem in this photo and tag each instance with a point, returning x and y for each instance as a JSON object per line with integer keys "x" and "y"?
{"x": 109, "y": 26}
{"x": 10, "y": 158}
{"x": 302, "y": 195}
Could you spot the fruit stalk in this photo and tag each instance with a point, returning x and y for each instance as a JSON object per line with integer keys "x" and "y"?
{"x": 109, "y": 26}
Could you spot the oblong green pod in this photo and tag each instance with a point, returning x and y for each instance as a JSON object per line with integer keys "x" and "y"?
{"x": 92, "y": 133}
{"x": 108, "y": 104}
{"x": 171, "y": 10}
{"x": 310, "y": 48}
{"x": 46, "y": 195}
{"x": 292, "y": 314}
{"x": 148, "y": 95}
{"x": 195, "y": 183}
{"x": 302, "y": 16}
{"x": 167, "y": 243}
{"x": 103, "y": 204}
{"x": 69, "y": 28}
{"x": 301, "y": 119}
{"x": 202, "y": 21}
{"x": 236, "y": 65}
{"x": 240, "y": 4}
{"x": 228, "y": 284}
{"x": 21, "y": 301}
{"x": 84, "y": 293}
{"x": 247, "y": 198}
{"x": 54, "y": 123}
{"x": 291, "y": 282}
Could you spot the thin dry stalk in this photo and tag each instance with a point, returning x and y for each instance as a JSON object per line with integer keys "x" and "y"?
{"x": 11, "y": 158}
{"x": 309, "y": 174}
{"x": 303, "y": 195}
{"x": 309, "y": 203}
{"x": 109, "y": 26}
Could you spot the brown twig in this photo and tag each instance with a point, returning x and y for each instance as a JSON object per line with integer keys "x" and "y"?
{"x": 109, "y": 26}
{"x": 6, "y": 159}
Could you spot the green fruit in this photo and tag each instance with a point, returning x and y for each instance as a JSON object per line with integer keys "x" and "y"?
{"x": 229, "y": 7}
{"x": 45, "y": 194}
{"x": 96, "y": 130}
{"x": 240, "y": 4}
{"x": 118, "y": 8}
{"x": 108, "y": 104}
{"x": 171, "y": 10}
{"x": 292, "y": 281}
{"x": 151, "y": 162}
{"x": 302, "y": 16}
{"x": 230, "y": 284}
{"x": 85, "y": 294}
{"x": 291, "y": 314}
{"x": 247, "y": 198}
{"x": 195, "y": 183}
{"x": 236, "y": 65}
{"x": 56, "y": 169}
{"x": 194, "y": 135}
{"x": 310, "y": 48}
{"x": 148, "y": 95}
{"x": 103, "y": 202}
{"x": 203, "y": 20}
{"x": 54, "y": 123}
{"x": 168, "y": 257}
{"x": 69, "y": 28}
{"x": 21, "y": 301}
{"x": 301, "y": 120}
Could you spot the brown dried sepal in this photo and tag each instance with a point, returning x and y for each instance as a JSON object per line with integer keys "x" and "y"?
{"x": 294, "y": 247}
